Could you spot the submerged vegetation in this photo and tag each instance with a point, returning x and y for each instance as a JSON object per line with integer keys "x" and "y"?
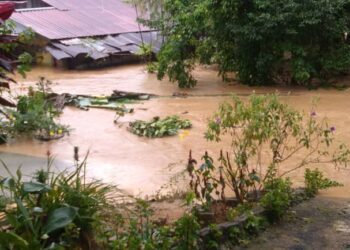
{"x": 159, "y": 127}
{"x": 36, "y": 114}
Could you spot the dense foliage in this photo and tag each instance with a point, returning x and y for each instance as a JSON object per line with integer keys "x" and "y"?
{"x": 66, "y": 210}
{"x": 262, "y": 41}
{"x": 50, "y": 211}
{"x": 36, "y": 113}
{"x": 278, "y": 197}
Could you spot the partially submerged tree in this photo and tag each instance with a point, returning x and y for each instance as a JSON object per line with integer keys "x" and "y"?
{"x": 267, "y": 141}
{"x": 263, "y": 42}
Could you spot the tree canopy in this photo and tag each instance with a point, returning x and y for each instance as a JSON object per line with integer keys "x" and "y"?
{"x": 261, "y": 41}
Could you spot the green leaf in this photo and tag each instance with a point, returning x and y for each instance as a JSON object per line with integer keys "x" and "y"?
{"x": 12, "y": 240}
{"x": 25, "y": 214}
{"x": 8, "y": 182}
{"x": 60, "y": 218}
{"x": 35, "y": 187}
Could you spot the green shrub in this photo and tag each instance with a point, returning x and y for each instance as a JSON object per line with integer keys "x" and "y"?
{"x": 315, "y": 181}
{"x": 51, "y": 210}
{"x": 36, "y": 114}
{"x": 65, "y": 211}
{"x": 254, "y": 224}
{"x": 203, "y": 182}
{"x": 263, "y": 42}
{"x": 187, "y": 232}
{"x": 277, "y": 198}
{"x": 263, "y": 125}
{"x": 242, "y": 235}
{"x": 138, "y": 231}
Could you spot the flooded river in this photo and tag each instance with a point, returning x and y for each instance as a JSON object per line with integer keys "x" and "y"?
{"x": 141, "y": 165}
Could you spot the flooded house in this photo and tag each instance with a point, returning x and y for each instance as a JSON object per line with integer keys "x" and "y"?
{"x": 84, "y": 33}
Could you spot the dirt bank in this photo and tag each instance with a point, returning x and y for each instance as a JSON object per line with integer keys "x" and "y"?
{"x": 321, "y": 223}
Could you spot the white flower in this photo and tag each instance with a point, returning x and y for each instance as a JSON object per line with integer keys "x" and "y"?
{"x": 38, "y": 210}
{"x": 44, "y": 237}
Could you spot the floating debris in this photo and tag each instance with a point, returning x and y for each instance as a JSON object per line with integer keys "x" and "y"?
{"x": 99, "y": 101}
{"x": 84, "y": 102}
{"x": 180, "y": 95}
{"x": 159, "y": 127}
{"x": 45, "y": 135}
{"x": 130, "y": 95}
{"x": 121, "y": 111}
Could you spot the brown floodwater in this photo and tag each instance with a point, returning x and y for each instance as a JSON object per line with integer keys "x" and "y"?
{"x": 140, "y": 165}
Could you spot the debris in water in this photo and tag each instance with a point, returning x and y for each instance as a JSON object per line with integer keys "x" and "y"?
{"x": 159, "y": 127}
{"x": 85, "y": 102}
{"x": 121, "y": 111}
{"x": 99, "y": 101}
{"x": 180, "y": 94}
{"x": 130, "y": 95}
{"x": 52, "y": 135}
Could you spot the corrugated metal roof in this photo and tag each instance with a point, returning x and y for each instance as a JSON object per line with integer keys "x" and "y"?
{"x": 57, "y": 53}
{"x": 77, "y": 18}
{"x": 98, "y": 48}
{"x": 90, "y": 4}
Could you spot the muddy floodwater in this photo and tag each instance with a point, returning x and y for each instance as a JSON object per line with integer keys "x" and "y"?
{"x": 141, "y": 165}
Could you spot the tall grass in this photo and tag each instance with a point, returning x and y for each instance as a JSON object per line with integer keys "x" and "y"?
{"x": 52, "y": 210}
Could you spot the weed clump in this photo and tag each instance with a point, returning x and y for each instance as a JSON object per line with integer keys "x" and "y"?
{"x": 159, "y": 127}
{"x": 315, "y": 181}
{"x": 36, "y": 114}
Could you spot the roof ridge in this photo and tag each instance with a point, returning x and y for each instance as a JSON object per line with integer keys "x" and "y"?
{"x": 36, "y": 9}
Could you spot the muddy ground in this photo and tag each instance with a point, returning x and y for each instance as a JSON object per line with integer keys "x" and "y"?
{"x": 320, "y": 223}
{"x": 142, "y": 166}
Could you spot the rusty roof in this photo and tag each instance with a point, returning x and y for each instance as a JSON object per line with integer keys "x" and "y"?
{"x": 79, "y": 18}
